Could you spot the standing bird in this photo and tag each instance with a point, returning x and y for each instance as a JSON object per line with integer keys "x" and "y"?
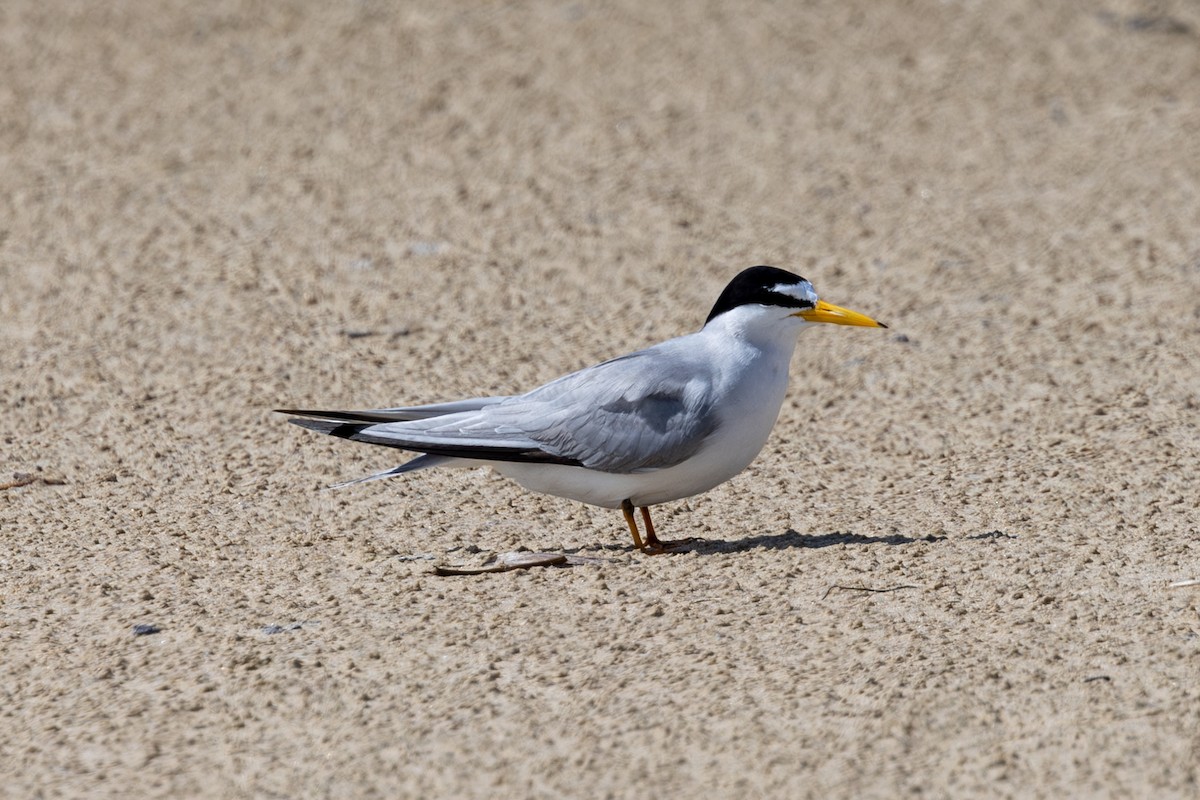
{"x": 664, "y": 423}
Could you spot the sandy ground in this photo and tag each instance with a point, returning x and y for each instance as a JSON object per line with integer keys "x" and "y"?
{"x": 211, "y": 210}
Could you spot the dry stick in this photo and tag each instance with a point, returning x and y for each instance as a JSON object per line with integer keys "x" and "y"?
{"x": 869, "y": 589}
{"x": 504, "y": 562}
{"x": 519, "y": 559}
{"x": 20, "y": 479}
{"x": 26, "y": 478}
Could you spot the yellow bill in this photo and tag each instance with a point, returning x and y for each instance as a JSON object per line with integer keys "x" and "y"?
{"x": 836, "y": 315}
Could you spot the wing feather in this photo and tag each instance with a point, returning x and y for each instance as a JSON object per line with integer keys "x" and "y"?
{"x": 403, "y": 414}
{"x": 645, "y": 411}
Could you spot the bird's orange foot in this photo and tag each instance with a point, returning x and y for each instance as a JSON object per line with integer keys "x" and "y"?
{"x": 657, "y": 546}
{"x": 652, "y": 545}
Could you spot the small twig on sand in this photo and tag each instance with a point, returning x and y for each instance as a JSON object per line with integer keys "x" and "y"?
{"x": 26, "y": 478}
{"x": 1181, "y": 584}
{"x": 868, "y": 589}
{"x": 519, "y": 559}
{"x": 20, "y": 479}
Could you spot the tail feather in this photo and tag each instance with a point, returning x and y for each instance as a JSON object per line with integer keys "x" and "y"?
{"x": 424, "y": 461}
{"x": 355, "y": 425}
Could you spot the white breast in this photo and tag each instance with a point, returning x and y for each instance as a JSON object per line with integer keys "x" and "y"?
{"x": 750, "y": 381}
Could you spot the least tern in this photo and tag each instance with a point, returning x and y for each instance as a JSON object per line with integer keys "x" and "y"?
{"x": 664, "y": 423}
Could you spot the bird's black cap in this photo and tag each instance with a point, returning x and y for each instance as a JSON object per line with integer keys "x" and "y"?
{"x": 756, "y": 286}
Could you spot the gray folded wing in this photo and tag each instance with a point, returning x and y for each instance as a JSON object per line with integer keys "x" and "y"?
{"x": 645, "y": 411}
{"x": 640, "y": 412}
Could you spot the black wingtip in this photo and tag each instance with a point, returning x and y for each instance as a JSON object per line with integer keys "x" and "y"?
{"x": 342, "y": 416}
{"x": 344, "y": 430}
{"x": 301, "y": 412}
{"x": 312, "y": 424}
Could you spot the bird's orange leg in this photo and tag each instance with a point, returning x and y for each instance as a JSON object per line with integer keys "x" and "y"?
{"x": 654, "y": 545}
{"x": 627, "y": 510}
{"x": 651, "y": 536}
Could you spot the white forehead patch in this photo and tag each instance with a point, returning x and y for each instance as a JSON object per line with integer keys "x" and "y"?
{"x": 802, "y": 291}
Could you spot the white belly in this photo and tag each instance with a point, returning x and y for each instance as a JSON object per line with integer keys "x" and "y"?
{"x": 753, "y": 406}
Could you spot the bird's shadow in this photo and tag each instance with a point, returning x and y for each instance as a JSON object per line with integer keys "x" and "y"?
{"x": 788, "y": 540}
{"x": 792, "y": 539}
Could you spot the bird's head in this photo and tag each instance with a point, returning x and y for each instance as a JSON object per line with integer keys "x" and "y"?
{"x": 774, "y": 295}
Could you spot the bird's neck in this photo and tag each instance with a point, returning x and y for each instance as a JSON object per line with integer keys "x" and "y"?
{"x": 752, "y": 326}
